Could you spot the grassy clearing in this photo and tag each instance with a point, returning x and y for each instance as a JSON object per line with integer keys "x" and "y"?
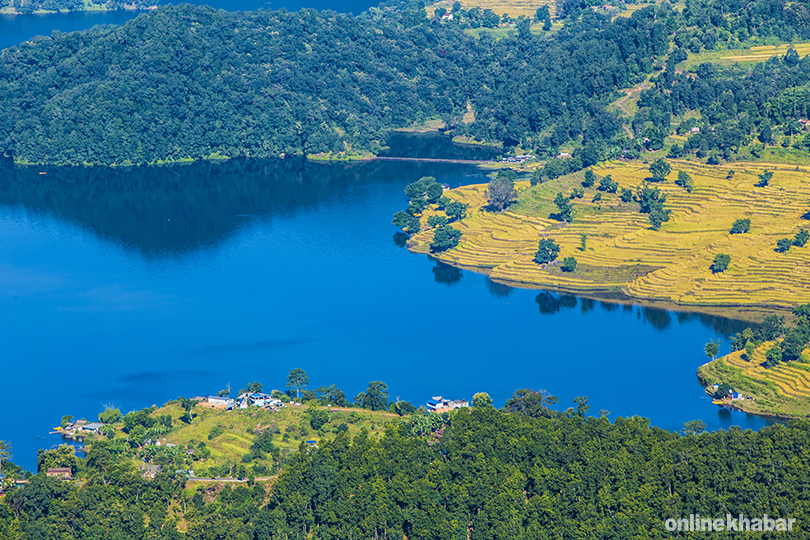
{"x": 623, "y": 254}
{"x": 783, "y": 390}
{"x": 748, "y": 55}
{"x": 239, "y": 427}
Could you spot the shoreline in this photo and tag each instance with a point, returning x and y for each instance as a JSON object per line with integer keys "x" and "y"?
{"x": 14, "y": 13}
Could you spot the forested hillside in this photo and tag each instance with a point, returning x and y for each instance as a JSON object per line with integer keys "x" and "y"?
{"x": 33, "y": 6}
{"x": 190, "y": 82}
{"x": 530, "y": 473}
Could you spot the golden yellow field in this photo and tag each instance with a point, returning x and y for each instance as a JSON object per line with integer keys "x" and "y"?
{"x": 780, "y": 390}
{"x": 623, "y": 254}
{"x": 515, "y": 8}
{"x": 749, "y": 55}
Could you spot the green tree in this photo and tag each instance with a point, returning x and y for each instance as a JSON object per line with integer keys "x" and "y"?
{"x": 456, "y": 211}
{"x": 298, "y": 379}
{"x": 62, "y": 456}
{"x": 317, "y": 418}
{"x": 627, "y": 195}
{"x": 582, "y": 406}
{"x": 720, "y": 263}
{"x": 750, "y": 349}
{"x": 783, "y": 245}
{"x": 583, "y": 241}
{"x": 801, "y": 238}
{"x": 659, "y": 169}
{"x": 564, "y": 207}
{"x": 569, "y": 264}
{"x": 110, "y": 416}
{"x": 741, "y": 226}
{"x": 500, "y": 193}
{"x": 436, "y": 221}
{"x": 531, "y": 403}
{"x": 547, "y": 251}
{"x": 765, "y": 178}
{"x": 445, "y": 237}
{"x": 723, "y": 390}
{"x": 590, "y": 178}
{"x": 712, "y": 348}
{"x": 694, "y": 427}
{"x": 254, "y": 387}
{"x": 608, "y": 185}
{"x": 66, "y": 420}
{"x": 773, "y": 357}
{"x": 481, "y": 400}
{"x": 685, "y": 181}
{"x": 407, "y": 222}
{"x": 375, "y": 397}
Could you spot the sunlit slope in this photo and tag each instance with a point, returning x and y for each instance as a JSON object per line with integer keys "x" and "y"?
{"x": 780, "y": 390}
{"x": 624, "y": 254}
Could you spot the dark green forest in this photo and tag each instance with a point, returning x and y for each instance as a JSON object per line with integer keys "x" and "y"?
{"x": 523, "y": 472}
{"x": 191, "y": 82}
{"x": 32, "y": 6}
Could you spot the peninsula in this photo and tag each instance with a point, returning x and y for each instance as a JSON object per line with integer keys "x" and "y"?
{"x": 619, "y": 252}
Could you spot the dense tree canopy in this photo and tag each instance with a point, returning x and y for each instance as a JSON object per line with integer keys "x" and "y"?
{"x": 532, "y": 473}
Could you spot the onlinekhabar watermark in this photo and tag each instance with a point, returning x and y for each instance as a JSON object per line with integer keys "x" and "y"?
{"x": 697, "y": 523}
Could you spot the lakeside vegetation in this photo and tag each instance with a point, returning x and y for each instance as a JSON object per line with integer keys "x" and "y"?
{"x": 53, "y": 6}
{"x": 650, "y": 240}
{"x": 768, "y": 368}
{"x": 525, "y": 471}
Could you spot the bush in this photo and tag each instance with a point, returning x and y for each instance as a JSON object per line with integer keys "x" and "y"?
{"x": 608, "y": 184}
{"x": 627, "y": 195}
{"x": 436, "y": 221}
{"x": 783, "y": 244}
{"x": 445, "y": 237}
{"x": 590, "y": 179}
{"x": 774, "y": 356}
{"x": 569, "y": 264}
{"x": 741, "y": 226}
{"x": 721, "y": 262}
{"x": 547, "y": 251}
{"x": 801, "y": 238}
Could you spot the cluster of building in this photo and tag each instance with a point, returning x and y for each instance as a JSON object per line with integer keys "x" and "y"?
{"x": 517, "y": 159}
{"x": 257, "y": 399}
{"x": 77, "y": 429}
{"x": 438, "y": 404}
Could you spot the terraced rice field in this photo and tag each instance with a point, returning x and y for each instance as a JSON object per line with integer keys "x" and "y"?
{"x": 781, "y": 390}
{"x": 623, "y": 254}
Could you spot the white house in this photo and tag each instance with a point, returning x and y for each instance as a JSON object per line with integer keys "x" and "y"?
{"x": 220, "y": 400}
{"x": 440, "y": 405}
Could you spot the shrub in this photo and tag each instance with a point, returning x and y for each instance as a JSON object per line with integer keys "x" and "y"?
{"x": 569, "y": 264}
{"x": 774, "y": 356}
{"x": 783, "y": 244}
{"x": 436, "y": 221}
{"x": 547, "y": 251}
{"x": 721, "y": 262}
{"x": 445, "y": 237}
{"x": 741, "y": 226}
{"x": 608, "y": 184}
{"x": 801, "y": 238}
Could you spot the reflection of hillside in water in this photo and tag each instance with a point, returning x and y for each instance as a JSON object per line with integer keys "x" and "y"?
{"x": 169, "y": 210}
{"x": 661, "y": 319}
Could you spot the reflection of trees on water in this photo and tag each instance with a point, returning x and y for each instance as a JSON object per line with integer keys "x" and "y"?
{"x": 550, "y": 303}
{"x": 498, "y": 290}
{"x": 659, "y": 318}
{"x": 401, "y": 239}
{"x": 445, "y": 273}
{"x": 169, "y": 210}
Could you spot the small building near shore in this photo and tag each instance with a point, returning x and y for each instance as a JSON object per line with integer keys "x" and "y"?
{"x": 65, "y": 473}
{"x": 92, "y": 428}
{"x": 440, "y": 404}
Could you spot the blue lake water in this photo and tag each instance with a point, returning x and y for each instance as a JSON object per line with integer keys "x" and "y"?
{"x": 132, "y": 287}
{"x": 14, "y": 29}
